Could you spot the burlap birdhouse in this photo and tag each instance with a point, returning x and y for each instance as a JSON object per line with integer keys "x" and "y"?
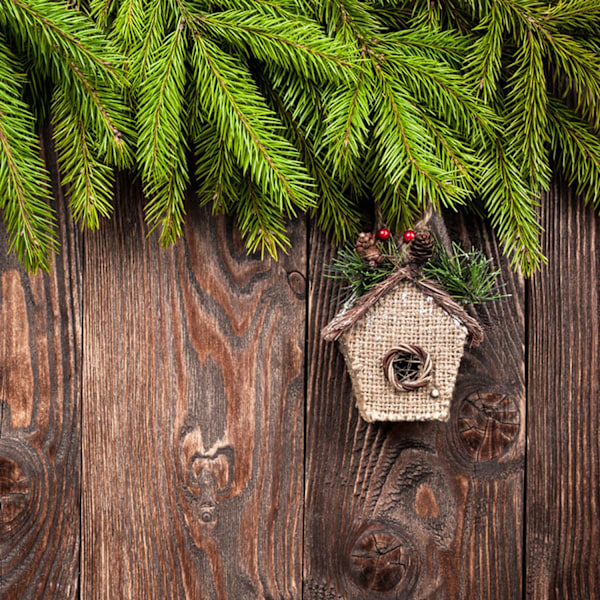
{"x": 403, "y": 343}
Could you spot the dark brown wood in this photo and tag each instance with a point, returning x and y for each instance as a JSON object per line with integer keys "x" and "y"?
{"x": 193, "y": 413}
{"x": 417, "y": 510}
{"x": 40, "y": 378}
{"x": 563, "y": 417}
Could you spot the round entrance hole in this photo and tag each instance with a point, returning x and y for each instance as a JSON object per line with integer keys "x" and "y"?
{"x": 407, "y": 367}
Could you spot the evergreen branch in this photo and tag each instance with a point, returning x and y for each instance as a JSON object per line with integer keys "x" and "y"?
{"x": 24, "y": 189}
{"x": 335, "y": 213}
{"x": 66, "y": 45}
{"x": 160, "y": 110}
{"x": 49, "y": 30}
{"x": 572, "y": 15}
{"x": 90, "y": 181}
{"x": 303, "y": 98}
{"x": 526, "y": 105}
{"x": 351, "y": 20}
{"x": 579, "y": 66}
{"x": 129, "y": 25}
{"x": 235, "y": 106}
{"x": 102, "y": 11}
{"x": 156, "y": 20}
{"x": 484, "y": 63}
{"x": 166, "y": 209}
{"x": 217, "y": 177}
{"x": 446, "y": 46}
{"x": 404, "y": 152}
{"x": 162, "y": 141}
{"x": 511, "y": 205}
{"x": 441, "y": 89}
{"x": 260, "y": 223}
{"x": 296, "y": 45}
{"x": 357, "y": 275}
{"x": 576, "y": 149}
{"x": 282, "y": 8}
{"x": 348, "y": 123}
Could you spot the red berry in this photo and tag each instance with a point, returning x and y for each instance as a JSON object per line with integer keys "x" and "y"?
{"x": 409, "y": 236}
{"x": 383, "y": 235}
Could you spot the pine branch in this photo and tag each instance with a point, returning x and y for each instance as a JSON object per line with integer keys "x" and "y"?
{"x": 218, "y": 179}
{"x": 577, "y": 150}
{"x": 335, "y": 213}
{"x": 260, "y": 223}
{"x": 484, "y": 63}
{"x": 235, "y": 106}
{"x": 579, "y": 66}
{"x": 89, "y": 180}
{"x": 403, "y": 152}
{"x": 348, "y": 123}
{"x": 24, "y": 189}
{"x": 68, "y": 47}
{"x": 162, "y": 142}
{"x": 526, "y": 117}
{"x": 511, "y": 205}
{"x": 467, "y": 276}
{"x": 294, "y": 45}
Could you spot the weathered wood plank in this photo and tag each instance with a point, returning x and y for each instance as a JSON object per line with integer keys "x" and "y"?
{"x": 563, "y": 456}
{"x": 193, "y": 413}
{"x": 417, "y": 510}
{"x": 40, "y": 378}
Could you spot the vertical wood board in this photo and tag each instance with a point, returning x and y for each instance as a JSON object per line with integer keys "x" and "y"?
{"x": 40, "y": 379}
{"x": 417, "y": 510}
{"x": 192, "y": 413}
{"x": 563, "y": 455}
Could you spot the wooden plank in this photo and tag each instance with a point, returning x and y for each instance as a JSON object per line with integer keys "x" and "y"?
{"x": 417, "y": 510}
{"x": 40, "y": 378}
{"x": 563, "y": 456}
{"x": 193, "y": 413}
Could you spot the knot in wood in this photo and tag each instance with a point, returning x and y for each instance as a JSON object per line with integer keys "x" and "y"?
{"x": 20, "y": 477}
{"x": 383, "y": 560}
{"x": 487, "y": 424}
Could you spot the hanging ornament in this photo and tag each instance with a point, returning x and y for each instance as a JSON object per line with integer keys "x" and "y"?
{"x": 403, "y": 336}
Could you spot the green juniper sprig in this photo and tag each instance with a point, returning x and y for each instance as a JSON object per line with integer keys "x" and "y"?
{"x": 358, "y": 276}
{"x": 467, "y": 275}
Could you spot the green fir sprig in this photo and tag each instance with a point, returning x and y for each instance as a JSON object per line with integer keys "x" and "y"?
{"x": 467, "y": 275}
{"x": 358, "y": 276}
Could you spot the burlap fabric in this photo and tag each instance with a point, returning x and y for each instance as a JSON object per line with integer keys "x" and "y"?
{"x": 403, "y": 315}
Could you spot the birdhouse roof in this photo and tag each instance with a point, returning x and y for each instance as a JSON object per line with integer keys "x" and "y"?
{"x": 345, "y": 320}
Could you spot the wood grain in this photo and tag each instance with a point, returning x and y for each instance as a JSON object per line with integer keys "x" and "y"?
{"x": 417, "y": 510}
{"x": 40, "y": 379}
{"x": 193, "y": 413}
{"x": 563, "y": 457}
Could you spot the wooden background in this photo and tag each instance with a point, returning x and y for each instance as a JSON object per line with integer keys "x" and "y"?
{"x": 172, "y": 426}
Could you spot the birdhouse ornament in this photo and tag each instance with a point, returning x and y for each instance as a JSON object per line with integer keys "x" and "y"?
{"x": 404, "y": 338}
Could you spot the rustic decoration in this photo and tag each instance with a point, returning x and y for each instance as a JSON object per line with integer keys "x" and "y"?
{"x": 383, "y": 560}
{"x": 421, "y": 248}
{"x": 407, "y": 367}
{"x": 366, "y": 246}
{"x": 403, "y": 342}
{"x": 487, "y": 424}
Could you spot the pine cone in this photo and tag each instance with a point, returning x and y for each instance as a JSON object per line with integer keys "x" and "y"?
{"x": 421, "y": 248}
{"x": 367, "y": 249}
